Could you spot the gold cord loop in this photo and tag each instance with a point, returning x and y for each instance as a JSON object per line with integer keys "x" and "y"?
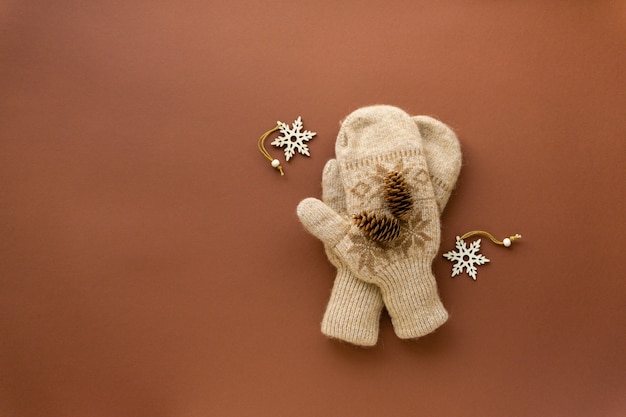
{"x": 504, "y": 242}
{"x": 274, "y": 162}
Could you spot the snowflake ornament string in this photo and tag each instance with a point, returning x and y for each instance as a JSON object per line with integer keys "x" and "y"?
{"x": 293, "y": 139}
{"x": 468, "y": 258}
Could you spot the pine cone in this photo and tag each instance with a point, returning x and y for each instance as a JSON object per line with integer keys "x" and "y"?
{"x": 380, "y": 227}
{"x": 398, "y": 195}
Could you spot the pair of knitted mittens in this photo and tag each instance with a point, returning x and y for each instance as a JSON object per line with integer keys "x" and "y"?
{"x": 379, "y": 222}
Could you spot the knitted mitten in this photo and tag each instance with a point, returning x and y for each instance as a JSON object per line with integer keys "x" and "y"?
{"x": 353, "y": 311}
{"x": 354, "y": 307}
{"x": 379, "y": 151}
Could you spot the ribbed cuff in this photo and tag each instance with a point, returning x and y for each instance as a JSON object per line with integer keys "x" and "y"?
{"x": 410, "y": 293}
{"x": 353, "y": 311}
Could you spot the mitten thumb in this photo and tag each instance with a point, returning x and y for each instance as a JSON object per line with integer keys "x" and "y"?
{"x": 322, "y": 221}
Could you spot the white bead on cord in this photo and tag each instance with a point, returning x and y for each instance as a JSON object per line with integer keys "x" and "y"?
{"x": 274, "y": 162}
{"x": 507, "y": 241}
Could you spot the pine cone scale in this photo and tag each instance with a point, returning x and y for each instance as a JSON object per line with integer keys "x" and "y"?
{"x": 380, "y": 227}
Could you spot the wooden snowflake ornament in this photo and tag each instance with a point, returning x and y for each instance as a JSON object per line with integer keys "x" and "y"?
{"x": 293, "y": 139}
{"x": 468, "y": 258}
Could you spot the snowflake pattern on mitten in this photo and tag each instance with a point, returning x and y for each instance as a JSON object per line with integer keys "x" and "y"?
{"x": 372, "y": 255}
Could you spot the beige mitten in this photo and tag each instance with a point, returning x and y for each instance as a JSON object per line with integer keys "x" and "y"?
{"x": 354, "y": 308}
{"x": 392, "y": 246}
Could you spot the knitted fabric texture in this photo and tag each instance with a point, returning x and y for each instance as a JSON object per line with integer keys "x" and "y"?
{"x": 373, "y": 142}
{"x": 354, "y": 308}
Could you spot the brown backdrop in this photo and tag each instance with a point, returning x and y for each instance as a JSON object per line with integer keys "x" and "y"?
{"x": 151, "y": 260}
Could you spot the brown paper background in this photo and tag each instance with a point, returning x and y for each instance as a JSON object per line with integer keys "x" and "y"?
{"x": 151, "y": 262}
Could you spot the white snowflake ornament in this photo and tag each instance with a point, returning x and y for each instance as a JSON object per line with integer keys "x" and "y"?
{"x": 466, "y": 257}
{"x": 293, "y": 139}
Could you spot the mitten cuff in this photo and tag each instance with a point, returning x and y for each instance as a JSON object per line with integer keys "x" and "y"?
{"x": 353, "y": 311}
{"x": 410, "y": 293}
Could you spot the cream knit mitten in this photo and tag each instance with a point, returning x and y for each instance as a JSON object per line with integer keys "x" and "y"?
{"x": 353, "y": 311}
{"x": 374, "y": 142}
